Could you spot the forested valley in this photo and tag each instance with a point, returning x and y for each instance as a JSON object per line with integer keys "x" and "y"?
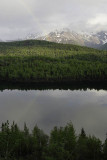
{"x": 42, "y": 61}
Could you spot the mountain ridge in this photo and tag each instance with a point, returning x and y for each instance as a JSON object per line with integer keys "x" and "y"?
{"x": 66, "y": 36}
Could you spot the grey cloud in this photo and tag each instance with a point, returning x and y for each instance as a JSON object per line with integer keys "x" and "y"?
{"x": 20, "y": 17}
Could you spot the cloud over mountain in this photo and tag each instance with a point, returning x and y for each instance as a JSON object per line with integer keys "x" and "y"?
{"x": 19, "y": 17}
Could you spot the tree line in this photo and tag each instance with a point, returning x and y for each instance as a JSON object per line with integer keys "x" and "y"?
{"x": 62, "y": 144}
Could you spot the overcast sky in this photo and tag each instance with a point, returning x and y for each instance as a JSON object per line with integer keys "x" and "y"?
{"x": 20, "y": 17}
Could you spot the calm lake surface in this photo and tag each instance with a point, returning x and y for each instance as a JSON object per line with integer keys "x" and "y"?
{"x": 49, "y": 108}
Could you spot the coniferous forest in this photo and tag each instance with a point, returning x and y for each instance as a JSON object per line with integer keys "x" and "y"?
{"x": 42, "y": 61}
{"x": 62, "y": 144}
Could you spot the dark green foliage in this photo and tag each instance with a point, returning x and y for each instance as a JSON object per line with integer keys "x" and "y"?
{"x": 62, "y": 144}
{"x": 105, "y": 149}
{"x": 88, "y": 147}
{"x": 41, "y": 61}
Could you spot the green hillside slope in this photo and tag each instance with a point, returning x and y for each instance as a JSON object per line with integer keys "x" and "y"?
{"x": 42, "y": 61}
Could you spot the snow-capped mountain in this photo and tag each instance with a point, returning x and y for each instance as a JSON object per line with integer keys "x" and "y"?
{"x": 67, "y": 36}
{"x": 102, "y": 36}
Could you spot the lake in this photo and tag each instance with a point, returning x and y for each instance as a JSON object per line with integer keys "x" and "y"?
{"x": 48, "y": 108}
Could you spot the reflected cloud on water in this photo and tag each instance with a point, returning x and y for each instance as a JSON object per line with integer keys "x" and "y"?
{"x": 49, "y": 108}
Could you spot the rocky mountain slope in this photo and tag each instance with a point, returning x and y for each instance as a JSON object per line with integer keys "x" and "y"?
{"x": 65, "y": 36}
{"x": 104, "y": 47}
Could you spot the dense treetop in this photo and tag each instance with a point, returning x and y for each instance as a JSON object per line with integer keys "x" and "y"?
{"x": 34, "y": 61}
{"x": 62, "y": 144}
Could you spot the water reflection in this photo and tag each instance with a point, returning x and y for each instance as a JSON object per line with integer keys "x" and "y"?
{"x": 48, "y": 108}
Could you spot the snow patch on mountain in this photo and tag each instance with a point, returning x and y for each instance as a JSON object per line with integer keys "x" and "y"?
{"x": 68, "y": 36}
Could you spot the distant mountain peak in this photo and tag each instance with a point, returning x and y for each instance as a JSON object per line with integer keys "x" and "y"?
{"x": 68, "y": 36}
{"x": 102, "y": 36}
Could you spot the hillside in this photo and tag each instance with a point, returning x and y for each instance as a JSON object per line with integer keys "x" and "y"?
{"x": 42, "y": 61}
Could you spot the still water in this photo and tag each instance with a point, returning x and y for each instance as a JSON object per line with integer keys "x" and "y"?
{"x": 49, "y": 108}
